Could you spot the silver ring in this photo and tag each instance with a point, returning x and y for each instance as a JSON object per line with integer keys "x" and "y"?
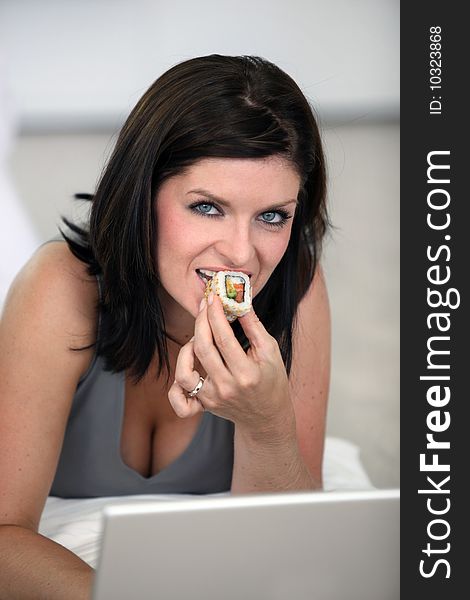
{"x": 197, "y": 388}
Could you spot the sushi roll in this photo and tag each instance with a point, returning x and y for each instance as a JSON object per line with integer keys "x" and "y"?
{"x": 234, "y": 291}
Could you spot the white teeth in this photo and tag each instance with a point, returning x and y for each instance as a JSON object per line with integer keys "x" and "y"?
{"x": 207, "y": 274}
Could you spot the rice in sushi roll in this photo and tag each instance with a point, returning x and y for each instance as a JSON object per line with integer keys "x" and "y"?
{"x": 234, "y": 291}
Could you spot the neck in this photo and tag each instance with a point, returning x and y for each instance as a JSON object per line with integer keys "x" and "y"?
{"x": 177, "y": 342}
{"x": 179, "y": 324}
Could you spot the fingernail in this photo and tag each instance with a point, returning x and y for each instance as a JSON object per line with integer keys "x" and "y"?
{"x": 201, "y": 306}
{"x": 210, "y": 299}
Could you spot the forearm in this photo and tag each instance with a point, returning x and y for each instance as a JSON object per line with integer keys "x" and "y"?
{"x": 34, "y": 567}
{"x": 270, "y": 460}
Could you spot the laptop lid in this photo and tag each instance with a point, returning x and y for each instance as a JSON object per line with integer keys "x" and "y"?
{"x": 324, "y": 545}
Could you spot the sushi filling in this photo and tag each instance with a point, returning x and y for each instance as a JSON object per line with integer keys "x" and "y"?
{"x": 235, "y": 288}
{"x": 232, "y": 287}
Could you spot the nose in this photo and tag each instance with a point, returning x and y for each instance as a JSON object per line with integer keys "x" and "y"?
{"x": 236, "y": 248}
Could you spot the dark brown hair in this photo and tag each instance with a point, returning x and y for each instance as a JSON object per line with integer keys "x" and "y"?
{"x": 210, "y": 106}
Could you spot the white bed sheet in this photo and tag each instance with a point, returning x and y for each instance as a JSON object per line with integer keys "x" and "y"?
{"x": 76, "y": 523}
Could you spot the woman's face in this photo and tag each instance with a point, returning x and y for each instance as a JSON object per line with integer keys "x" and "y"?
{"x": 222, "y": 214}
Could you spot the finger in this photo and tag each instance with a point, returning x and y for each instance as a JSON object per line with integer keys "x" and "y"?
{"x": 224, "y": 338}
{"x": 255, "y": 331}
{"x": 263, "y": 346}
{"x": 183, "y": 406}
{"x": 185, "y": 374}
{"x": 204, "y": 347}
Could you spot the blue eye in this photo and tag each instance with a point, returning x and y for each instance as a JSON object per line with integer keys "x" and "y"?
{"x": 276, "y": 218}
{"x": 272, "y": 218}
{"x": 269, "y": 216}
{"x": 204, "y": 208}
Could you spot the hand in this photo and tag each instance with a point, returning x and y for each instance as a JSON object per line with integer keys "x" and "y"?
{"x": 250, "y": 389}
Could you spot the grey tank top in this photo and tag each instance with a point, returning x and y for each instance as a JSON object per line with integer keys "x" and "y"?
{"x": 90, "y": 462}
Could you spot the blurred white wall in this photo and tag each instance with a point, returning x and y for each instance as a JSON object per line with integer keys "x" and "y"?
{"x": 75, "y": 69}
{"x": 18, "y": 235}
{"x": 362, "y": 268}
{"x": 86, "y": 62}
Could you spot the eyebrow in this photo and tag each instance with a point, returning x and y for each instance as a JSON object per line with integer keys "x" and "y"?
{"x": 223, "y": 202}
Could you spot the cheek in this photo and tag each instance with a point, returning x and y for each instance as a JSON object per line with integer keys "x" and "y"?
{"x": 171, "y": 238}
{"x": 274, "y": 249}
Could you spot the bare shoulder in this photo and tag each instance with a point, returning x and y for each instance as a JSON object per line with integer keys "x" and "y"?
{"x": 310, "y": 373}
{"x": 50, "y": 309}
{"x": 54, "y": 290}
{"x": 313, "y": 321}
{"x": 54, "y": 263}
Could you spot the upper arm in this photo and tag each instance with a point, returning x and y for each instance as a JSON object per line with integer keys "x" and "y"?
{"x": 310, "y": 373}
{"x": 49, "y": 309}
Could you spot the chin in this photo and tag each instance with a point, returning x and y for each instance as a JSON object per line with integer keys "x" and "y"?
{"x": 191, "y": 308}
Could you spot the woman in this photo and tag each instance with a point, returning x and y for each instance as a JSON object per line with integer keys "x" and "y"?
{"x": 106, "y": 340}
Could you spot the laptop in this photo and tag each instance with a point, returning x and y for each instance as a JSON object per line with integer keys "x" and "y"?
{"x": 285, "y": 546}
